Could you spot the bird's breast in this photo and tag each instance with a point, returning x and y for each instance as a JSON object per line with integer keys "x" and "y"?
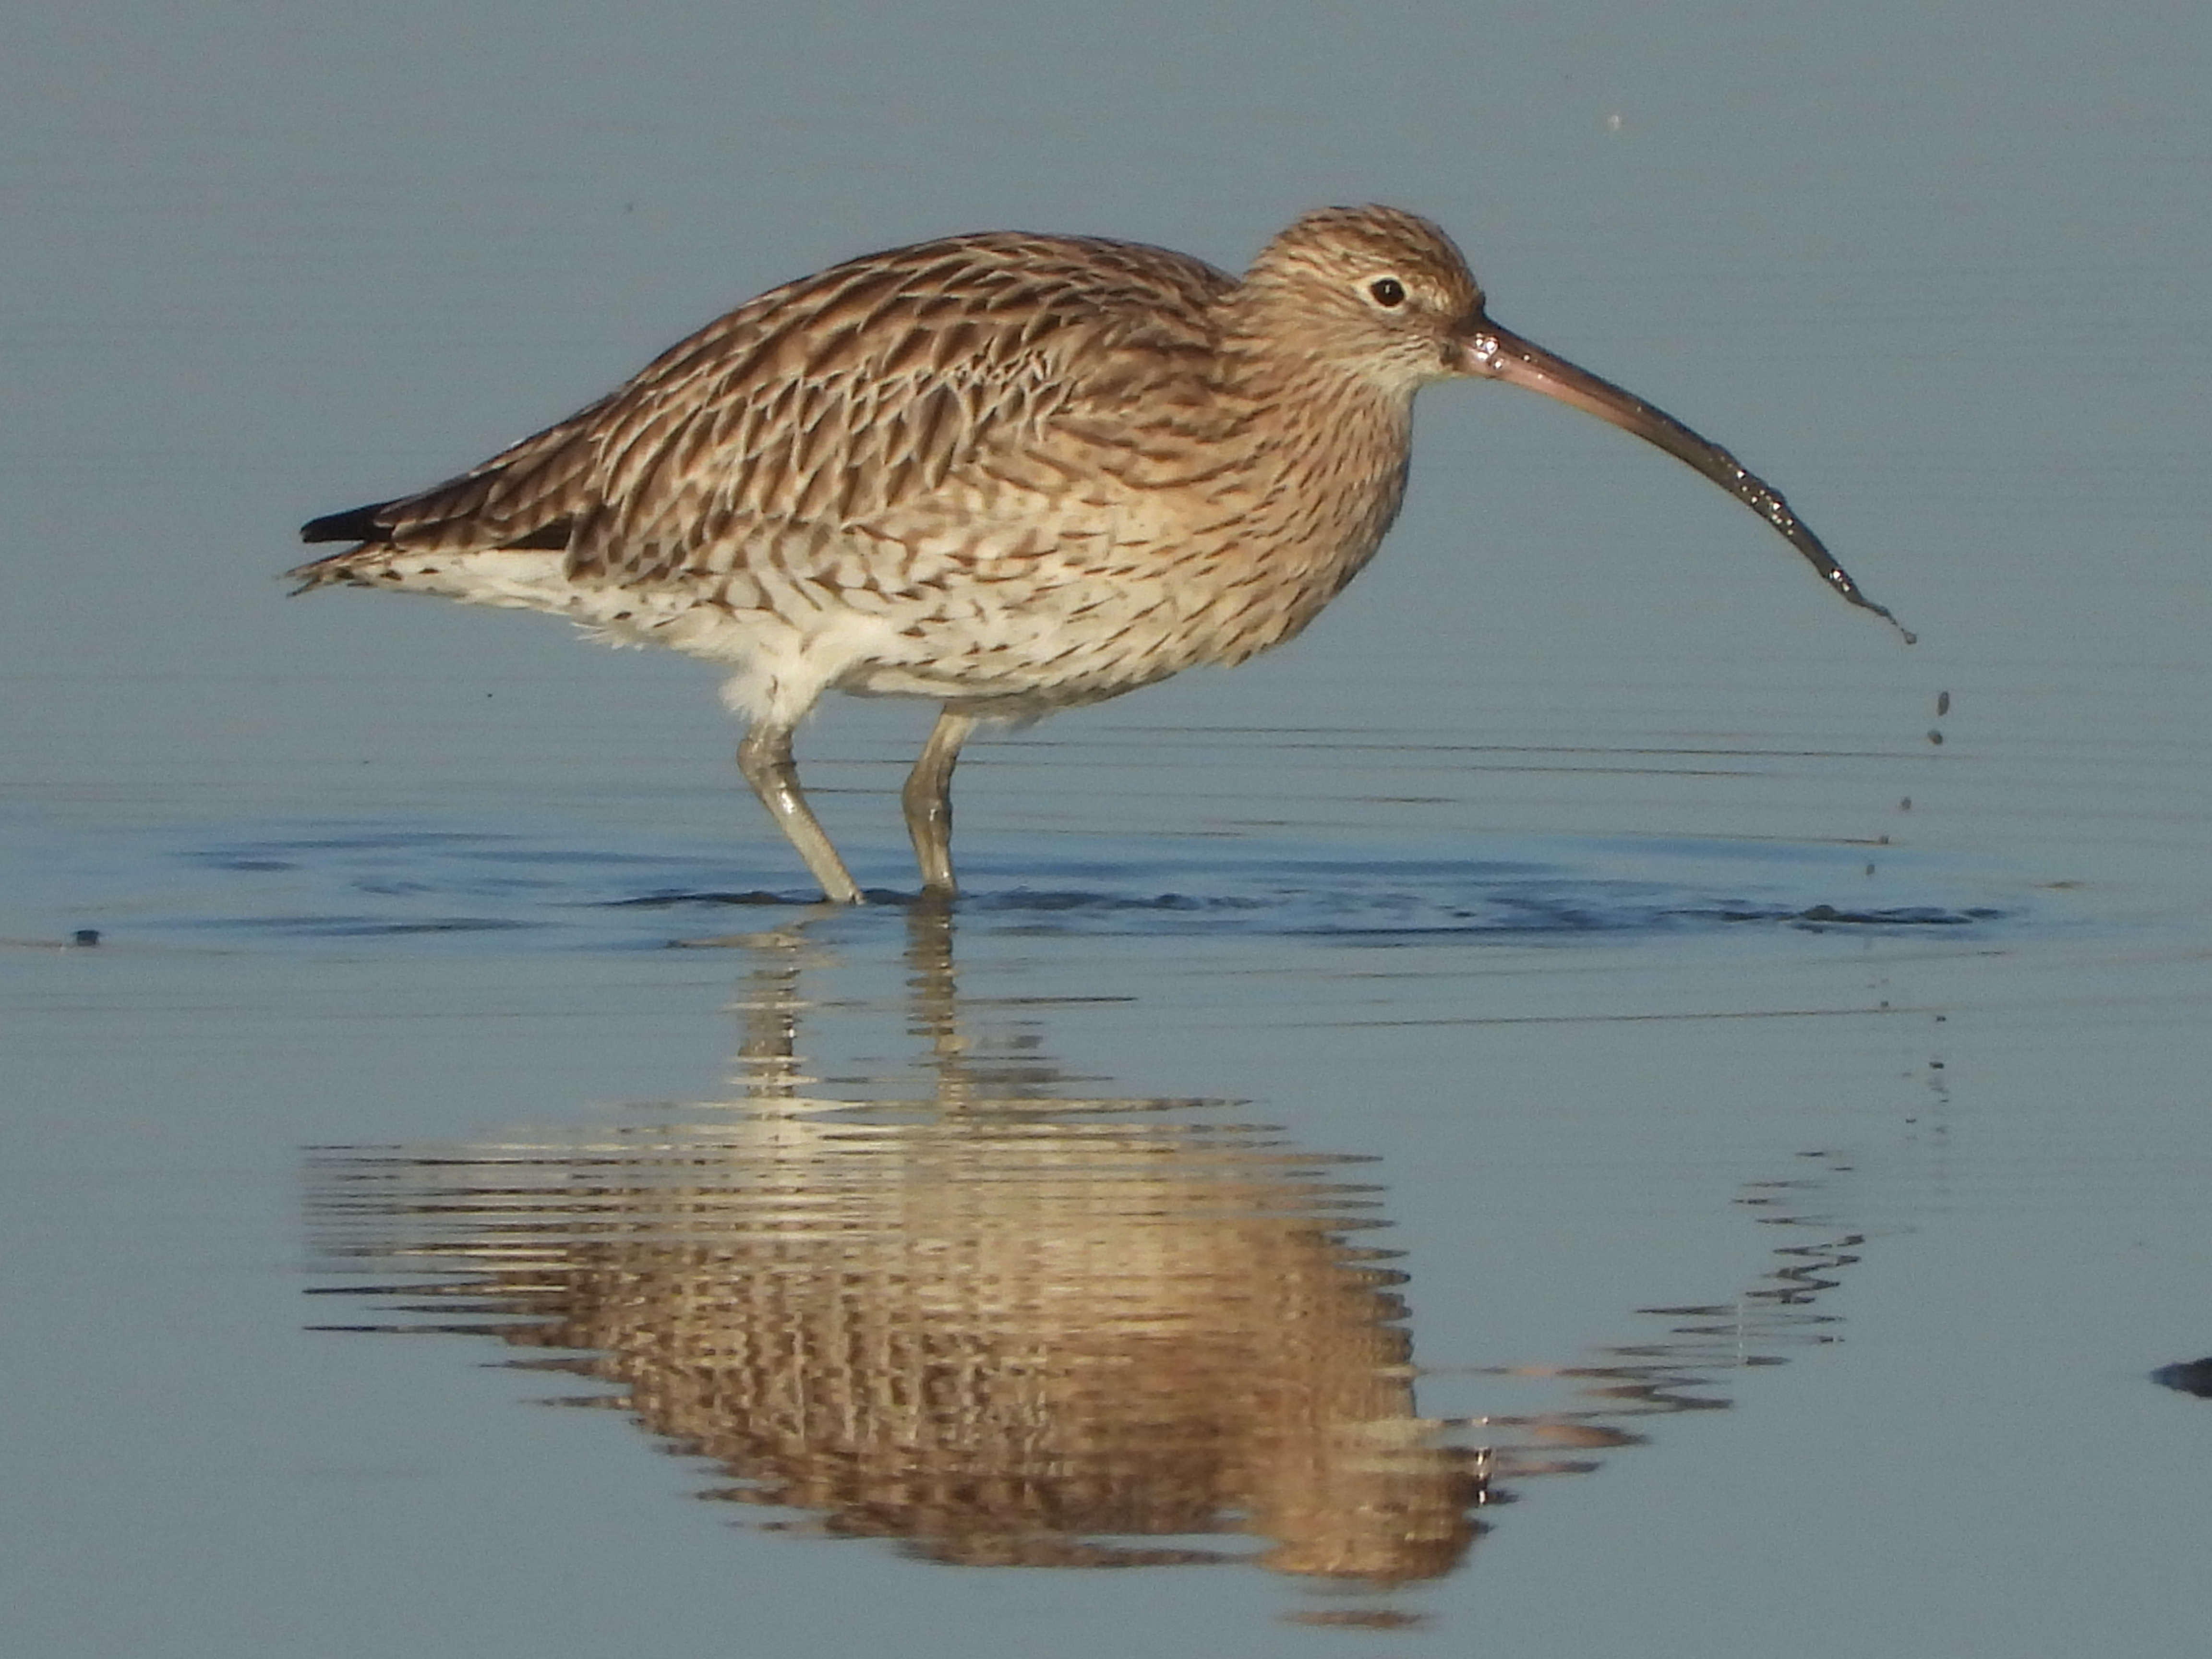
{"x": 1078, "y": 564}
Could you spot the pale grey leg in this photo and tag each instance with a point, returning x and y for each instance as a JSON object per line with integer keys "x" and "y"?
{"x": 765, "y": 759}
{"x": 927, "y": 798}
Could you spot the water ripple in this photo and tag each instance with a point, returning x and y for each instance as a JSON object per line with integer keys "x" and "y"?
{"x": 503, "y": 888}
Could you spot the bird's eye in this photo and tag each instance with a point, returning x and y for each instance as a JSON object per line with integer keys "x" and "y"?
{"x": 1388, "y": 291}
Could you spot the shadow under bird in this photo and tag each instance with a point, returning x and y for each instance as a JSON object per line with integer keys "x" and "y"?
{"x": 1011, "y": 473}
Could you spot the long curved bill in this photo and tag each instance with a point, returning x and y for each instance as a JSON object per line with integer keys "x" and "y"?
{"x": 1499, "y": 354}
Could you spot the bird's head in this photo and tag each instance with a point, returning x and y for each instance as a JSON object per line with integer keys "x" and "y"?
{"x": 1385, "y": 295}
{"x": 1374, "y": 291}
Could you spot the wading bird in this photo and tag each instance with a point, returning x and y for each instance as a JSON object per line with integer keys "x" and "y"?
{"x": 1010, "y": 473}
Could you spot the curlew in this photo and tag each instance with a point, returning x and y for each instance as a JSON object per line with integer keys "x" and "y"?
{"x": 1009, "y": 473}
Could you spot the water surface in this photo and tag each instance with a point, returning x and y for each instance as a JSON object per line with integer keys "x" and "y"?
{"x": 1595, "y": 1104}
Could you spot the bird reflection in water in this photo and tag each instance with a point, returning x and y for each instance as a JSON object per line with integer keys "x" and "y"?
{"x": 1000, "y": 1323}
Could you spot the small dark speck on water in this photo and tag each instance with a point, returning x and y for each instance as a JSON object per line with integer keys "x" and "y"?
{"x": 85, "y": 936}
{"x": 1942, "y": 704}
{"x": 2190, "y": 1376}
{"x": 1905, "y": 806}
{"x": 1934, "y": 737}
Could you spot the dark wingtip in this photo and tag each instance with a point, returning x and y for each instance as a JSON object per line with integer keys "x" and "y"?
{"x": 357, "y": 524}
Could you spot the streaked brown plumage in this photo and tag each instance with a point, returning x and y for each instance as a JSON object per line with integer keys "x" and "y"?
{"x": 1011, "y": 473}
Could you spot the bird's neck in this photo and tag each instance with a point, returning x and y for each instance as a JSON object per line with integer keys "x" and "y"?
{"x": 1331, "y": 440}
{"x": 1326, "y": 474}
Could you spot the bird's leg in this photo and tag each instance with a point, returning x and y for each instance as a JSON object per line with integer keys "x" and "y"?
{"x": 765, "y": 759}
{"x": 927, "y": 798}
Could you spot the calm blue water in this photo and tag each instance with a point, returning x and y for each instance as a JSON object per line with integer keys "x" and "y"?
{"x": 1596, "y": 1104}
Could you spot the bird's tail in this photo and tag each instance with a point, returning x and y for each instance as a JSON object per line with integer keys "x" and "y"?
{"x": 520, "y": 578}
{"x": 358, "y": 567}
{"x": 431, "y": 544}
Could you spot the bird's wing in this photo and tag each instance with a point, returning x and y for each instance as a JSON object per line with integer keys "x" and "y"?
{"x": 526, "y": 496}
{"x": 829, "y": 404}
